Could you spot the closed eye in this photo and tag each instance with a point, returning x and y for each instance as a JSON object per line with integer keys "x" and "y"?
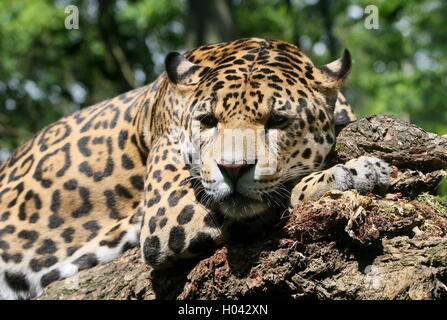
{"x": 279, "y": 121}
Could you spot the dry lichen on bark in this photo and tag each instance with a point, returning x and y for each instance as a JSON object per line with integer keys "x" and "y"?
{"x": 341, "y": 246}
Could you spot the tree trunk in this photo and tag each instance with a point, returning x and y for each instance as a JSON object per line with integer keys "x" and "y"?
{"x": 209, "y": 22}
{"x": 328, "y": 23}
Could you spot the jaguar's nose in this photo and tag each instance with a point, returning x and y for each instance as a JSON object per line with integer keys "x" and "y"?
{"x": 234, "y": 170}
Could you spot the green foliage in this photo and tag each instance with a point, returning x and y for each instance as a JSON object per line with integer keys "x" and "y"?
{"x": 443, "y": 189}
{"x": 402, "y": 65}
{"x": 438, "y": 203}
{"x": 47, "y": 71}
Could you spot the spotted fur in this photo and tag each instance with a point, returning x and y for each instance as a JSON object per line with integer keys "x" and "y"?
{"x": 119, "y": 174}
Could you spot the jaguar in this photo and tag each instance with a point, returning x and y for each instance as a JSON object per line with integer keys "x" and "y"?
{"x": 154, "y": 167}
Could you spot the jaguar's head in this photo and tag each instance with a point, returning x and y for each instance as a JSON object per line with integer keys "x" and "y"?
{"x": 257, "y": 115}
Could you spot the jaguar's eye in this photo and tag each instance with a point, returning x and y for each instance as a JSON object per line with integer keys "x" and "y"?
{"x": 208, "y": 120}
{"x": 278, "y": 121}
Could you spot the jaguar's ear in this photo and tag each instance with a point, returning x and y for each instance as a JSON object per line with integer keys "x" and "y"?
{"x": 182, "y": 72}
{"x": 330, "y": 77}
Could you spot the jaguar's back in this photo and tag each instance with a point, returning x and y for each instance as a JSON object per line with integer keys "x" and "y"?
{"x": 69, "y": 188}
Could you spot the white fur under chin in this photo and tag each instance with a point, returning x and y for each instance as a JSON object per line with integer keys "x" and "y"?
{"x": 244, "y": 211}
{"x": 250, "y": 205}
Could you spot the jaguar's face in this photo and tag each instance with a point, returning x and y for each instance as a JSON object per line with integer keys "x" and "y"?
{"x": 255, "y": 125}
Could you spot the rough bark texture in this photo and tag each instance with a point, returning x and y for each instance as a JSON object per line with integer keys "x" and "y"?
{"x": 341, "y": 246}
{"x": 398, "y": 142}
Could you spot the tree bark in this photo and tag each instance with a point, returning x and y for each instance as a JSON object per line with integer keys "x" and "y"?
{"x": 209, "y": 22}
{"x": 328, "y": 23}
{"x": 109, "y": 31}
{"x": 341, "y": 246}
{"x": 400, "y": 143}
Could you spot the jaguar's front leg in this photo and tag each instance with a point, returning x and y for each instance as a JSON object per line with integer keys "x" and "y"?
{"x": 174, "y": 225}
{"x": 364, "y": 174}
